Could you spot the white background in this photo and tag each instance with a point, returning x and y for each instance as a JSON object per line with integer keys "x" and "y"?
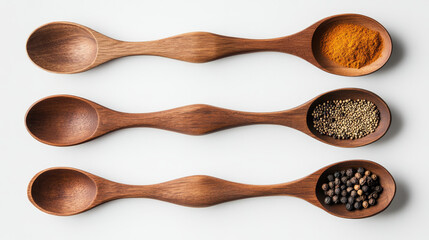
{"x": 260, "y": 154}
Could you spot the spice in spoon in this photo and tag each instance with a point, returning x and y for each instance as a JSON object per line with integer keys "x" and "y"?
{"x": 353, "y": 200}
{"x": 346, "y": 119}
{"x": 351, "y": 45}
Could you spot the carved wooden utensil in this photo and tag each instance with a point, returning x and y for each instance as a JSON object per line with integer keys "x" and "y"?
{"x": 64, "y": 120}
{"x": 67, "y": 191}
{"x": 65, "y": 47}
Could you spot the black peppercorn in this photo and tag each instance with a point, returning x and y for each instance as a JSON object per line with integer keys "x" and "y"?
{"x": 349, "y": 207}
{"x": 348, "y": 183}
{"x": 353, "y": 180}
{"x": 337, "y": 181}
{"x": 337, "y": 191}
{"x": 343, "y": 187}
{"x": 359, "y": 199}
{"x": 357, "y": 205}
{"x": 351, "y": 200}
{"x": 327, "y": 200}
{"x": 331, "y": 178}
{"x": 350, "y": 172}
{"x": 349, "y": 189}
{"x": 358, "y": 175}
{"x": 365, "y": 188}
{"x": 343, "y": 173}
{"x": 374, "y": 177}
{"x": 344, "y": 193}
{"x": 360, "y": 192}
{"x": 378, "y": 189}
{"x": 330, "y": 192}
{"x": 337, "y": 174}
{"x": 361, "y": 170}
{"x": 370, "y": 182}
{"x": 353, "y": 193}
{"x": 331, "y": 184}
{"x": 343, "y": 200}
{"x": 362, "y": 181}
{"x": 374, "y": 195}
{"x": 344, "y": 179}
{"x": 365, "y": 204}
{"x": 325, "y": 187}
{"x": 335, "y": 199}
{"x": 372, "y": 201}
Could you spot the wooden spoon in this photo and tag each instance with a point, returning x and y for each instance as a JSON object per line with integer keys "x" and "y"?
{"x": 65, "y": 47}
{"x": 67, "y": 191}
{"x": 64, "y": 120}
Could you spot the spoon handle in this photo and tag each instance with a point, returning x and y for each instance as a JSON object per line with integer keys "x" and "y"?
{"x": 201, "y": 119}
{"x": 204, "y": 191}
{"x": 201, "y": 47}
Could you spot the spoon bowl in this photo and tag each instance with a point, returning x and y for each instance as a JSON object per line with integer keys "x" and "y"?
{"x": 69, "y": 191}
{"x": 384, "y": 200}
{"x": 330, "y": 66}
{"x": 62, "y": 47}
{"x": 353, "y": 94}
{"x": 63, "y": 191}
{"x": 62, "y": 120}
{"x": 65, "y": 120}
{"x": 65, "y": 47}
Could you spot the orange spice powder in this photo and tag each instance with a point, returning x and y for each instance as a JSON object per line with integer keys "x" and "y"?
{"x": 351, "y": 45}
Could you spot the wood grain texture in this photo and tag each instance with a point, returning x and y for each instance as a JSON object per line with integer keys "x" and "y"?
{"x": 68, "y": 191}
{"x": 64, "y": 120}
{"x": 65, "y": 47}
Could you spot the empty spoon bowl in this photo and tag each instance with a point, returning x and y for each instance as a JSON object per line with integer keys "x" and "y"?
{"x": 62, "y": 120}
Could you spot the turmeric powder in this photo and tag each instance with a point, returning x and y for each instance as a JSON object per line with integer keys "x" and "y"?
{"x": 351, "y": 45}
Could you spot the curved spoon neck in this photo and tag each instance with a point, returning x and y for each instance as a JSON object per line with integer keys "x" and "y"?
{"x": 204, "y": 46}
{"x": 200, "y": 119}
{"x": 297, "y": 44}
{"x": 282, "y": 189}
{"x": 113, "y": 120}
{"x": 293, "y": 118}
{"x": 114, "y": 190}
{"x": 136, "y": 191}
{"x": 300, "y": 188}
{"x": 232, "y": 45}
{"x": 123, "y": 48}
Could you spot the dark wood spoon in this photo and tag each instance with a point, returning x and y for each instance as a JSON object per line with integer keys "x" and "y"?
{"x": 68, "y": 191}
{"x": 65, "y": 47}
{"x": 64, "y": 120}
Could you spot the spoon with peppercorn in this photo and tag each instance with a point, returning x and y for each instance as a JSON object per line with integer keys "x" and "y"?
{"x": 68, "y": 191}
{"x": 65, "y": 47}
{"x": 65, "y": 120}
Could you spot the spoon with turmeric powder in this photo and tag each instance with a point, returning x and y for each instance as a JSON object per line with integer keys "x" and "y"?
{"x": 346, "y": 44}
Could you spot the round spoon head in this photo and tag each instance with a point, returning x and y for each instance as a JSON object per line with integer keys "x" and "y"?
{"x": 353, "y": 94}
{"x": 62, "y": 191}
{"x": 62, "y": 47}
{"x": 385, "y": 198}
{"x": 62, "y": 120}
{"x": 330, "y": 66}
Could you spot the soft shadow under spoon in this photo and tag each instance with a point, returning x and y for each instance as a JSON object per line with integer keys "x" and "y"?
{"x": 64, "y": 120}
{"x": 68, "y": 191}
{"x": 65, "y": 47}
